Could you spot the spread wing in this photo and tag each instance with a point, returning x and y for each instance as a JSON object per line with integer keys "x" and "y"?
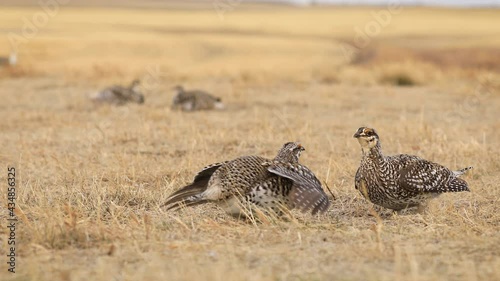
{"x": 207, "y": 171}
{"x": 425, "y": 176}
{"x": 198, "y": 185}
{"x": 307, "y": 193}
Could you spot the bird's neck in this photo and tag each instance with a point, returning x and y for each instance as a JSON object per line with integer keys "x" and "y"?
{"x": 134, "y": 88}
{"x": 286, "y": 158}
{"x": 374, "y": 154}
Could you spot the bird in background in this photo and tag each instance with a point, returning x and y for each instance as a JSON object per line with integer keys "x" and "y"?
{"x": 267, "y": 184}
{"x": 194, "y": 100}
{"x": 119, "y": 95}
{"x": 401, "y": 181}
{"x": 11, "y": 60}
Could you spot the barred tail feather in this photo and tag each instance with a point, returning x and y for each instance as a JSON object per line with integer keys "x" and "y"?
{"x": 187, "y": 196}
{"x": 188, "y": 202}
{"x": 457, "y": 185}
{"x": 462, "y": 171}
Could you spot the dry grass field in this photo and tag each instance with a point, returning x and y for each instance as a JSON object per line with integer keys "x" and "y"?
{"x": 90, "y": 180}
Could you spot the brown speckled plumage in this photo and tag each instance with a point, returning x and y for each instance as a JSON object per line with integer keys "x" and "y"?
{"x": 401, "y": 181}
{"x": 119, "y": 95}
{"x": 194, "y": 100}
{"x": 269, "y": 184}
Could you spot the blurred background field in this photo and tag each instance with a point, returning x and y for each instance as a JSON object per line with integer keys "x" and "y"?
{"x": 91, "y": 179}
{"x": 275, "y": 42}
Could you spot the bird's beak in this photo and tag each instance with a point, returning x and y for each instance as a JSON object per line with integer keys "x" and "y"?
{"x": 357, "y": 134}
{"x": 301, "y": 147}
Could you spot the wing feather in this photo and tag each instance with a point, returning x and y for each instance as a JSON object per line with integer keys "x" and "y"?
{"x": 307, "y": 193}
{"x": 426, "y": 176}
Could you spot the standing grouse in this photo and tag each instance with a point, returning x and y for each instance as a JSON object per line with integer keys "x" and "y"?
{"x": 401, "y": 181}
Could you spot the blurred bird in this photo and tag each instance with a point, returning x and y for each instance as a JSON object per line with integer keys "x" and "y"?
{"x": 268, "y": 184}
{"x": 195, "y": 100}
{"x": 11, "y": 60}
{"x": 401, "y": 181}
{"x": 119, "y": 95}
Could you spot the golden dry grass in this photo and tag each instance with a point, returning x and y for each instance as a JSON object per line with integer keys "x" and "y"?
{"x": 91, "y": 179}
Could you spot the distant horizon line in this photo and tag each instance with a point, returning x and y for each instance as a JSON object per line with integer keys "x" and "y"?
{"x": 349, "y": 3}
{"x": 416, "y": 3}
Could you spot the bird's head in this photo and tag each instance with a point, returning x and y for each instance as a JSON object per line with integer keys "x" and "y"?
{"x": 290, "y": 152}
{"x": 178, "y": 89}
{"x": 178, "y": 96}
{"x": 135, "y": 84}
{"x": 367, "y": 138}
{"x": 135, "y": 94}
